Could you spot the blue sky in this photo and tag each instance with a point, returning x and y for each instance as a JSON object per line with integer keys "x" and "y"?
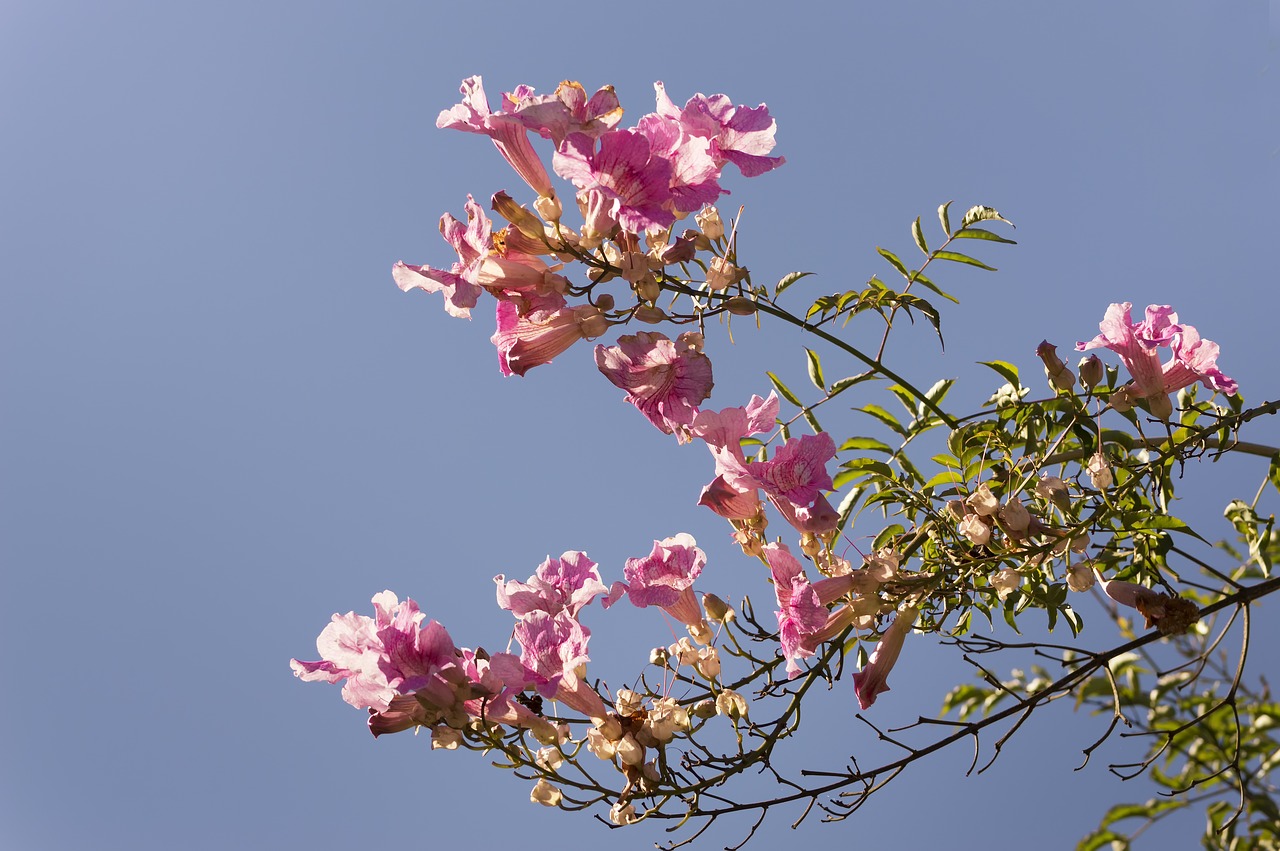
{"x": 222, "y": 421}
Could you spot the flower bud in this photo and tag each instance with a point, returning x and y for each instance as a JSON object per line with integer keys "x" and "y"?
{"x": 527, "y": 223}
{"x": 1014, "y": 516}
{"x": 609, "y": 727}
{"x": 1161, "y": 406}
{"x": 658, "y": 656}
{"x": 1060, "y": 377}
{"x": 718, "y": 611}
{"x": 546, "y": 794}
{"x": 703, "y": 708}
{"x": 973, "y": 528}
{"x": 633, "y": 266}
{"x": 983, "y": 501}
{"x": 708, "y": 663}
{"x": 1091, "y": 371}
{"x": 720, "y": 273}
{"x": 548, "y": 206}
{"x": 605, "y": 301}
{"x": 630, "y": 751}
{"x": 1080, "y": 577}
{"x": 549, "y": 758}
{"x": 1006, "y": 581}
{"x": 651, "y": 315}
{"x": 732, "y": 704}
{"x": 647, "y": 288}
{"x": 622, "y": 814}
{"x": 1054, "y": 489}
{"x": 591, "y": 322}
{"x": 710, "y": 223}
{"x": 445, "y": 737}
{"x": 1099, "y": 471}
{"x": 627, "y": 703}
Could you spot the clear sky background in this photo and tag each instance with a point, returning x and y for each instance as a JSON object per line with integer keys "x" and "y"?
{"x": 221, "y": 422}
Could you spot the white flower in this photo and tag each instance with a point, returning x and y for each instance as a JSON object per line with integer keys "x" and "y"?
{"x": 1015, "y": 516}
{"x": 599, "y": 745}
{"x": 665, "y": 718}
{"x": 627, "y": 702}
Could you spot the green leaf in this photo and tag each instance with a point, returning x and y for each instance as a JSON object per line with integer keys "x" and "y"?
{"x": 812, "y": 421}
{"x": 788, "y": 280}
{"x": 1006, "y": 369}
{"x": 883, "y": 416}
{"x": 944, "y": 219}
{"x": 1274, "y": 473}
{"x": 846, "y": 507}
{"x": 894, "y": 262}
{"x": 815, "y": 370}
{"x": 784, "y": 391}
{"x": 921, "y": 279}
{"x": 867, "y": 466}
{"x": 982, "y": 214}
{"x": 845, "y": 383}
{"x": 863, "y": 444}
{"x": 887, "y": 535}
{"x": 957, "y": 257}
{"x": 979, "y": 233}
{"x": 917, "y": 233}
{"x": 946, "y": 477}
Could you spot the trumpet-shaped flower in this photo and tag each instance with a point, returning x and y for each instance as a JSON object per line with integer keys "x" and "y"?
{"x": 633, "y": 184}
{"x": 1194, "y": 359}
{"x": 553, "y": 651}
{"x": 738, "y": 134}
{"x": 664, "y": 578}
{"x": 533, "y": 330}
{"x": 872, "y": 680}
{"x": 564, "y": 584}
{"x": 383, "y": 656}
{"x": 506, "y": 130}
{"x": 665, "y": 380}
{"x": 567, "y": 111}
{"x": 460, "y": 284}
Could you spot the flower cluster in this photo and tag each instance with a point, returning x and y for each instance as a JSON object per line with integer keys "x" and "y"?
{"x": 984, "y": 549}
{"x": 630, "y": 184}
{"x": 1193, "y": 359}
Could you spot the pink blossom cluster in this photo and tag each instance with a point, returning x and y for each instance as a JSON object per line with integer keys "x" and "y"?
{"x": 628, "y": 182}
{"x": 1138, "y": 344}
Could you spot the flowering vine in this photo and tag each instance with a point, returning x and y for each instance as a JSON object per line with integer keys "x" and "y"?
{"x": 1033, "y": 505}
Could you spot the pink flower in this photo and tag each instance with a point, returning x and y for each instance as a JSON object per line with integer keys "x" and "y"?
{"x": 1194, "y": 359}
{"x": 797, "y": 472}
{"x": 568, "y": 111}
{"x": 802, "y": 607}
{"x": 533, "y": 330}
{"x": 694, "y": 174}
{"x": 553, "y": 649}
{"x": 630, "y": 184}
{"x": 730, "y": 502}
{"x": 383, "y": 656}
{"x": 872, "y": 681}
{"x": 472, "y": 115}
{"x": 738, "y": 134}
{"x": 664, "y": 380}
{"x": 460, "y": 285}
{"x": 565, "y": 584}
{"x": 664, "y": 578}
